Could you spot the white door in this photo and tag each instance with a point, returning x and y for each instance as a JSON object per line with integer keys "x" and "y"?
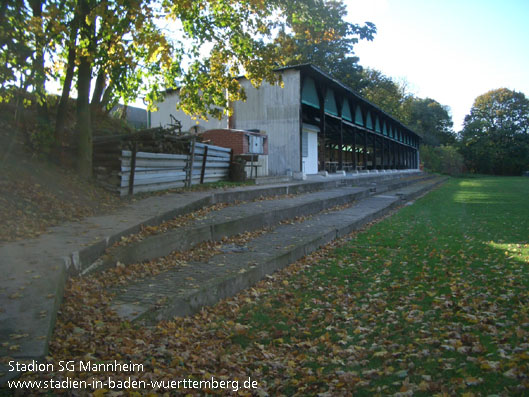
{"x": 309, "y": 144}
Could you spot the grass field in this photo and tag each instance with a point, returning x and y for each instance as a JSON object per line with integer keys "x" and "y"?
{"x": 432, "y": 300}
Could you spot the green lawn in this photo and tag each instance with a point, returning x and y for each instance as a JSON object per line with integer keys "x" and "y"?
{"x": 432, "y": 300}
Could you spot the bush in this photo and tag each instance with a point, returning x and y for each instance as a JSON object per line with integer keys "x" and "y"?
{"x": 41, "y": 139}
{"x": 442, "y": 159}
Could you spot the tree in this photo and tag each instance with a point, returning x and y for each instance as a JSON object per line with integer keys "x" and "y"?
{"x": 495, "y": 136}
{"x": 15, "y": 49}
{"x": 316, "y": 32}
{"x": 15, "y": 52}
{"x": 108, "y": 37}
{"x": 431, "y": 120}
{"x": 28, "y": 33}
{"x": 383, "y": 91}
{"x": 116, "y": 49}
{"x": 425, "y": 116}
{"x": 119, "y": 45}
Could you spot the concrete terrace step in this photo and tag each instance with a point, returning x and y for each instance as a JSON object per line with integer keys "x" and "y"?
{"x": 171, "y": 293}
{"x": 241, "y": 218}
{"x": 35, "y": 269}
{"x": 268, "y": 180}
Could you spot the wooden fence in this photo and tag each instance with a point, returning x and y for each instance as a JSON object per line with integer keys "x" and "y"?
{"x": 148, "y": 172}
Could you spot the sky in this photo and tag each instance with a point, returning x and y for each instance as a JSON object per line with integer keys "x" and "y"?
{"x": 448, "y": 50}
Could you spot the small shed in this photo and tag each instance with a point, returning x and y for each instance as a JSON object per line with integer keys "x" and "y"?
{"x": 252, "y": 145}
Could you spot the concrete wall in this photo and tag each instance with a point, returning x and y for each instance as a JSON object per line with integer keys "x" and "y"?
{"x": 275, "y": 111}
{"x": 168, "y": 107}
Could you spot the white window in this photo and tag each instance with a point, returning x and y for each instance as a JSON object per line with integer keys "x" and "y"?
{"x": 256, "y": 144}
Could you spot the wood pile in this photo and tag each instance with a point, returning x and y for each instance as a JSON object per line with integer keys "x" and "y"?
{"x": 107, "y": 151}
{"x": 155, "y": 159}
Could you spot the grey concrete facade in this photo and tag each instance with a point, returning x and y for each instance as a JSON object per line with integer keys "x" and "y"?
{"x": 162, "y": 116}
{"x": 275, "y": 110}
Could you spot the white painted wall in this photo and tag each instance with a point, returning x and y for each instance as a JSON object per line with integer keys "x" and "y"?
{"x": 310, "y": 163}
{"x": 275, "y": 111}
{"x": 168, "y": 106}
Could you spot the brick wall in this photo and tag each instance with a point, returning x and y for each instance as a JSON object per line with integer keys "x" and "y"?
{"x": 227, "y": 138}
{"x": 233, "y": 139}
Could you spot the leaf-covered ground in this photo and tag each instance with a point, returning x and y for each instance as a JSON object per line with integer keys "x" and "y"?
{"x": 36, "y": 194}
{"x": 431, "y": 301}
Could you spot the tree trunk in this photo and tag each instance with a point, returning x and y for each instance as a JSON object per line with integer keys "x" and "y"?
{"x": 65, "y": 96}
{"x": 62, "y": 109}
{"x": 124, "y": 113}
{"x": 39, "y": 73}
{"x": 106, "y": 97}
{"x": 84, "y": 123}
{"x": 98, "y": 89}
{"x": 84, "y": 75}
{"x": 95, "y": 105}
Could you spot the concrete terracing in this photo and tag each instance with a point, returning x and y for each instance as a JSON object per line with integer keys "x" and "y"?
{"x": 35, "y": 270}
{"x": 244, "y": 217}
{"x": 185, "y": 288}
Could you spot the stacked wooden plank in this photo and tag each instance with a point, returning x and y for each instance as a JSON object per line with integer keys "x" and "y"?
{"x": 107, "y": 165}
{"x": 153, "y": 140}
